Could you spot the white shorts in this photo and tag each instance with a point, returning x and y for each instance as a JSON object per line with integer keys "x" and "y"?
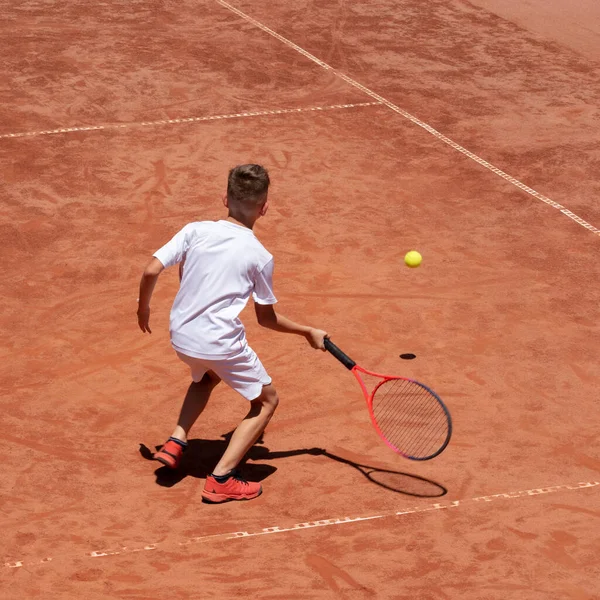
{"x": 243, "y": 372}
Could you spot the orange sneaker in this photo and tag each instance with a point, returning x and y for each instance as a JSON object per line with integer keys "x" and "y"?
{"x": 170, "y": 454}
{"x": 234, "y": 488}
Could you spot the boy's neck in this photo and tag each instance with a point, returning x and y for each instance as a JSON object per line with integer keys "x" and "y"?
{"x": 244, "y": 223}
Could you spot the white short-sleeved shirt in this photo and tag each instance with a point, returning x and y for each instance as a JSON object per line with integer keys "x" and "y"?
{"x": 224, "y": 264}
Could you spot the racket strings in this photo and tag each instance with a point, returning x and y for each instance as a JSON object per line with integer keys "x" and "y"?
{"x": 410, "y": 417}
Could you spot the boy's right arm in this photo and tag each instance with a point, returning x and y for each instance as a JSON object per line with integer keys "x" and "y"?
{"x": 172, "y": 253}
{"x": 147, "y": 283}
{"x": 267, "y": 317}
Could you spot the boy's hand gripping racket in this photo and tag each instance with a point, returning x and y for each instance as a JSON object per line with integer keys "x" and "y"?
{"x": 409, "y": 417}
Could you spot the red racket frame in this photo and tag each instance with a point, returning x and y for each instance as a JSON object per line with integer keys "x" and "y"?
{"x": 357, "y": 369}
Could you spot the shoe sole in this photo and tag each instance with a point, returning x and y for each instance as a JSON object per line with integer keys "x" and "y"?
{"x": 164, "y": 462}
{"x": 221, "y": 498}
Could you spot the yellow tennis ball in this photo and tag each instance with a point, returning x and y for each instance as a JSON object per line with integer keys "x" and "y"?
{"x": 412, "y": 259}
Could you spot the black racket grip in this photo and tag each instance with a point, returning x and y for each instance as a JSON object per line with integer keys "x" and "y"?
{"x": 341, "y": 356}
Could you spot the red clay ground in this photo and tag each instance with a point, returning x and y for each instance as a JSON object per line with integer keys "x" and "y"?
{"x": 575, "y": 25}
{"x": 503, "y": 314}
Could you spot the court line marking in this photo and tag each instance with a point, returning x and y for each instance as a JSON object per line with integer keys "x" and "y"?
{"x": 254, "y": 113}
{"x": 440, "y": 136}
{"x": 272, "y": 530}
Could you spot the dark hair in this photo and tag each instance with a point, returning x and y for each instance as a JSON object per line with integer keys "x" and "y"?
{"x": 247, "y": 187}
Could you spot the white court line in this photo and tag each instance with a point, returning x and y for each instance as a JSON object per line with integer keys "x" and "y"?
{"x": 235, "y": 535}
{"x": 255, "y": 113}
{"x": 415, "y": 120}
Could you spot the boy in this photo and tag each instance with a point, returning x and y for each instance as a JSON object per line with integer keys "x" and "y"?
{"x": 220, "y": 264}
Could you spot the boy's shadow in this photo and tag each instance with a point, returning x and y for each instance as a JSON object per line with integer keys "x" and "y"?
{"x": 202, "y": 456}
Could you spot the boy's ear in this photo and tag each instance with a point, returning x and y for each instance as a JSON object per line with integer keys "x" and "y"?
{"x": 225, "y": 201}
{"x": 264, "y": 209}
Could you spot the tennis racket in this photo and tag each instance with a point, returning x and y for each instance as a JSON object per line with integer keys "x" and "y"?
{"x": 408, "y": 416}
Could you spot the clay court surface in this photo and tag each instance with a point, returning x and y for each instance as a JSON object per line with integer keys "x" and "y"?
{"x": 156, "y": 101}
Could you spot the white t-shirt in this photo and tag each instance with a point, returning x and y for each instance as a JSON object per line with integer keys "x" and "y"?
{"x": 224, "y": 264}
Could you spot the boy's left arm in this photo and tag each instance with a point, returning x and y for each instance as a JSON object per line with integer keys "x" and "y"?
{"x": 147, "y": 283}
{"x": 264, "y": 299}
{"x": 267, "y": 317}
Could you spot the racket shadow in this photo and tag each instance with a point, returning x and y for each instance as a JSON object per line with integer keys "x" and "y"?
{"x": 394, "y": 481}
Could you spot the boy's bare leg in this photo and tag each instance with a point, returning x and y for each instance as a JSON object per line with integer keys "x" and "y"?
{"x": 193, "y": 404}
{"x": 249, "y": 430}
